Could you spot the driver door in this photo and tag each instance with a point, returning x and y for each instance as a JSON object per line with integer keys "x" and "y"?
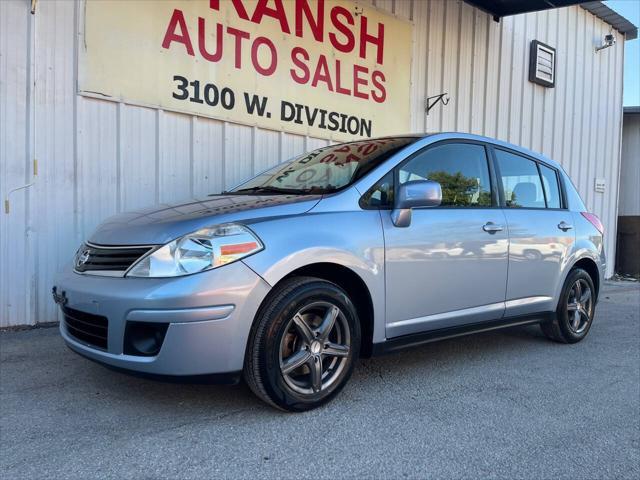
{"x": 449, "y": 266}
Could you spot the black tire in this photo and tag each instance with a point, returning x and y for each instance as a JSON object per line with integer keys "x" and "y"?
{"x": 273, "y": 330}
{"x": 562, "y": 328}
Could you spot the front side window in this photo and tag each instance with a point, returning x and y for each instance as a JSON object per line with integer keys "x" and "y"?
{"x": 520, "y": 181}
{"x": 326, "y": 169}
{"x": 461, "y": 169}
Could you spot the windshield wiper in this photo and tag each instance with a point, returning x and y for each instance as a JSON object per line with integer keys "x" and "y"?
{"x": 271, "y": 189}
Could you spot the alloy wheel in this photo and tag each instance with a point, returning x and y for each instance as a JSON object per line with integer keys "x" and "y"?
{"x": 579, "y": 306}
{"x": 315, "y": 348}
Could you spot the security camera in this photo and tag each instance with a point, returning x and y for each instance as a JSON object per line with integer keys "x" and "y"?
{"x": 609, "y": 41}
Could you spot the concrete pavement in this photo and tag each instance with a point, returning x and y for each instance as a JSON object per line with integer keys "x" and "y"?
{"x": 504, "y": 404}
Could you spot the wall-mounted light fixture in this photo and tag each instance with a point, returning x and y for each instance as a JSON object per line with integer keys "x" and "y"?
{"x": 609, "y": 41}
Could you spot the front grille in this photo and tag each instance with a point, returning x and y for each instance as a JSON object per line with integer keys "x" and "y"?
{"x": 86, "y": 327}
{"x": 94, "y": 258}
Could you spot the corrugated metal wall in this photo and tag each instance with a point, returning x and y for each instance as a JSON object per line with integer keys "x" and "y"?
{"x": 97, "y": 158}
{"x": 630, "y": 166}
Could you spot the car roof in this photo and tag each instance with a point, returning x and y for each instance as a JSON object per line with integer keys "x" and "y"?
{"x": 439, "y": 136}
{"x": 426, "y": 139}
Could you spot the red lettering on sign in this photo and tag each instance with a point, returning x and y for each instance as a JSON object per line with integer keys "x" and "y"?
{"x": 278, "y": 13}
{"x": 339, "y": 87}
{"x": 358, "y": 81}
{"x": 315, "y": 24}
{"x": 377, "y": 78}
{"x": 348, "y": 44}
{"x": 177, "y": 20}
{"x": 239, "y": 35}
{"x": 296, "y": 53}
{"x": 347, "y": 33}
{"x": 367, "y": 38}
{"x": 237, "y": 5}
{"x": 322, "y": 74}
{"x": 202, "y": 43}
{"x": 266, "y": 71}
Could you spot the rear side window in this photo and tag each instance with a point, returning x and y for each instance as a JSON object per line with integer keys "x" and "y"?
{"x": 551, "y": 186}
{"x": 460, "y": 168}
{"x": 520, "y": 181}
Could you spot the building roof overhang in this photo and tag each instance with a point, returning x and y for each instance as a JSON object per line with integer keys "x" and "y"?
{"x": 504, "y": 8}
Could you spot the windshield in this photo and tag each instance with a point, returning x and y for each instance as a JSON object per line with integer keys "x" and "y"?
{"x": 326, "y": 169}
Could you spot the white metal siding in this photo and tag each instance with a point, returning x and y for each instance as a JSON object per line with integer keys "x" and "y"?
{"x": 97, "y": 157}
{"x": 630, "y": 166}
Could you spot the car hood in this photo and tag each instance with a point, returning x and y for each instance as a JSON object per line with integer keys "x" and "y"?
{"x": 162, "y": 223}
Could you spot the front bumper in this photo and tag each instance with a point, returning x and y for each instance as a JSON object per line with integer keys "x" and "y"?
{"x": 209, "y": 316}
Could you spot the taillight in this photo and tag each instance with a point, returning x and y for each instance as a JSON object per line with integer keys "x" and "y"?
{"x": 594, "y": 220}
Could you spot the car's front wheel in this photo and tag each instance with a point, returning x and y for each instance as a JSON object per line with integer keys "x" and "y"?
{"x": 303, "y": 344}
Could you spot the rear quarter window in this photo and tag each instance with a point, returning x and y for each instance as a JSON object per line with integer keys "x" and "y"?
{"x": 551, "y": 186}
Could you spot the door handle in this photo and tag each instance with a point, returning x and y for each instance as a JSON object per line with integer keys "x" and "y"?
{"x": 491, "y": 227}
{"x": 564, "y": 226}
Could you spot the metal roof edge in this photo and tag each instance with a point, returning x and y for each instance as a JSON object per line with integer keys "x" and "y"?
{"x": 617, "y": 21}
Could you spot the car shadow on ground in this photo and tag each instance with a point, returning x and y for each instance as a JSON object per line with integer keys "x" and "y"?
{"x": 433, "y": 360}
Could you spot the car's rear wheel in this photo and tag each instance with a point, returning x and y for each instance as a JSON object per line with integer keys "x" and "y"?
{"x": 575, "y": 311}
{"x": 303, "y": 344}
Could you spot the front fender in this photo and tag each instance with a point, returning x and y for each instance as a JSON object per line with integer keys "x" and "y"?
{"x": 352, "y": 239}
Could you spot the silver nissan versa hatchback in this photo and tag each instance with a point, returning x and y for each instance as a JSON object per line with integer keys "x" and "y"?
{"x": 348, "y": 251}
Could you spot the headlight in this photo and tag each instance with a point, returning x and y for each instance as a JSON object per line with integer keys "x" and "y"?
{"x": 198, "y": 251}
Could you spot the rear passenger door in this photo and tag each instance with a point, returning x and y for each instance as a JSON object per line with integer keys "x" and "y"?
{"x": 540, "y": 231}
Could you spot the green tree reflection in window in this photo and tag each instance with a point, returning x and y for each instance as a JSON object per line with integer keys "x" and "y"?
{"x": 461, "y": 191}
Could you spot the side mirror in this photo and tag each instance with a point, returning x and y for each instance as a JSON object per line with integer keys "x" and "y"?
{"x": 415, "y": 194}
